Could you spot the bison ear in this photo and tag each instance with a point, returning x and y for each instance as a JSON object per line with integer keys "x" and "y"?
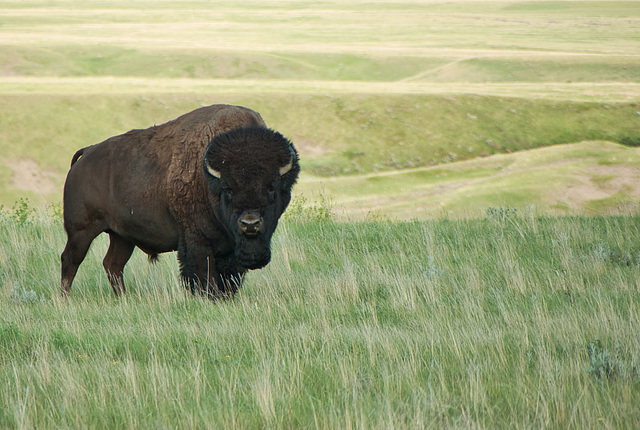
{"x": 213, "y": 172}
{"x": 285, "y": 169}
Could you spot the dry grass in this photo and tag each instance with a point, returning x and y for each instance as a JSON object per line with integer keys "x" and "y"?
{"x": 585, "y": 91}
{"x": 508, "y": 321}
{"x": 352, "y": 71}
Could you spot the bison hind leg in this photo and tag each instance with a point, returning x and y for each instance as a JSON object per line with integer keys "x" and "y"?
{"x": 117, "y": 256}
{"x": 75, "y": 251}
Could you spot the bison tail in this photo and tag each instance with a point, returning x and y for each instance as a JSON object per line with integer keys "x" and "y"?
{"x": 153, "y": 258}
{"x": 77, "y": 155}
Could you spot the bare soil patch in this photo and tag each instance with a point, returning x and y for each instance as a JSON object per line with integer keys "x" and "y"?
{"x": 601, "y": 182}
{"x": 28, "y": 176}
{"x": 309, "y": 147}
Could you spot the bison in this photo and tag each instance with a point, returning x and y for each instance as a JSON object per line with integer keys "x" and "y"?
{"x": 211, "y": 184}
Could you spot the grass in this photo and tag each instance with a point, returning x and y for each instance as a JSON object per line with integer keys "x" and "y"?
{"x": 349, "y": 134}
{"x": 330, "y": 26}
{"x": 509, "y": 320}
{"x": 485, "y": 315}
{"x": 361, "y": 88}
{"x": 590, "y": 177}
{"x": 74, "y": 61}
{"x": 337, "y": 135}
{"x": 82, "y": 61}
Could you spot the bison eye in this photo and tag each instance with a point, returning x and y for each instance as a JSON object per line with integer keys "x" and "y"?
{"x": 271, "y": 191}
{"x": 226, "y": 191}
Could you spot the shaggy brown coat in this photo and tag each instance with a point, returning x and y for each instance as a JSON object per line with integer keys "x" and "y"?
{"x": 153, "y": 189}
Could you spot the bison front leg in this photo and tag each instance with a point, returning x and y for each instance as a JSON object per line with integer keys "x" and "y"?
{"x": 195, "y": 266}
{"x": 231, "y": 276}
{"x": 201, "y": 274}
{"x": 231, "y": 283}
{"x": 119, "y": 252}
{"x": 203, "y": 278}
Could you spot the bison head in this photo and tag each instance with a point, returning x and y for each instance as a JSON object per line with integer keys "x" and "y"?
{"x": 250, "y": 172}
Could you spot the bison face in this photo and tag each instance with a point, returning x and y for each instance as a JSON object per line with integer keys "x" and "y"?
{"x": 250, "y": 172}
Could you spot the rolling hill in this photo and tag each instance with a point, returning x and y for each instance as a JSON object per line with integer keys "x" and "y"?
{"x": 370, "y": 92}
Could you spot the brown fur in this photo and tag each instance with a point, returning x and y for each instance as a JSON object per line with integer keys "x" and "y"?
{"x": 147, "y": 188}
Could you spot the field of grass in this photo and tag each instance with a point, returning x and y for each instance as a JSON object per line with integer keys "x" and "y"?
{"x": 361, "y": 88}
{"x": 339, "y": 137}
{"x": 511, "y": 320}
{"x": 593, "y": 178}
{"x": 488, "y": 150}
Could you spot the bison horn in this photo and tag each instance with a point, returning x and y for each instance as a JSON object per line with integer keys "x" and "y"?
{"x": 213, "y": 172}
{"x": 285, "y": 169}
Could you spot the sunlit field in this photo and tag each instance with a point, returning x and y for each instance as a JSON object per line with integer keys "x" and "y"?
{"x": 511, "y": 320}
{"x": 361, "y": 88}
{"x": 462, "y": 249}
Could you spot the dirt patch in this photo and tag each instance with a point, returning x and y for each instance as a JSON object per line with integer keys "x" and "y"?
{"x": 601, "y": 182}
{"x": 28, "y": 176}
{"x": 308, "y": 147}
{"x": 617, "y": 178}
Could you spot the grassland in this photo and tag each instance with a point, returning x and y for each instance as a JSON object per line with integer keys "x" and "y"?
{"x": 511, "y": 320}
{"x": 501, "y": 137}
{"x": 360, "y": 88}
{"x": 341, "y": 138}
{"x": 594, "y": 178}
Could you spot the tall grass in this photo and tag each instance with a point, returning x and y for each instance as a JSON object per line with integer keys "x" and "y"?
{"x": 507, "y": 321}
{"x": 511, "y": 320}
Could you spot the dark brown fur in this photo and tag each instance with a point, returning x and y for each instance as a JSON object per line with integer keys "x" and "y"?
{"x": 148, "y": 189}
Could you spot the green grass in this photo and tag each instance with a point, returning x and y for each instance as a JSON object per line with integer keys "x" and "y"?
{"x": 464, "y": 113}
{"x": 78, "y": 61}
{"x": 361, "y": 88}
{"x": 336, "y": 134}
{"x": 83, "y": 61}
{"x": 506, "y": 321}
{"x": 592, "y": 177}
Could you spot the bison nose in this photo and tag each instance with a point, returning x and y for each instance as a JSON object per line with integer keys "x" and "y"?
{"x": 250, "y": 224}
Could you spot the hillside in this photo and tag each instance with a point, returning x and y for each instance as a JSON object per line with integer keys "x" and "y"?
{"x": 592, "y": 177}
{"x": 364, "y": 89}
{"x": 393, "y": 141}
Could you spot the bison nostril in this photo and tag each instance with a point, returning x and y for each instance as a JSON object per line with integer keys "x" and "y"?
{"x": 250, "y": 224}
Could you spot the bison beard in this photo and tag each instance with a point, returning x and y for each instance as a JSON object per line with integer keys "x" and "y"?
{"x": 211, "y": 184}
